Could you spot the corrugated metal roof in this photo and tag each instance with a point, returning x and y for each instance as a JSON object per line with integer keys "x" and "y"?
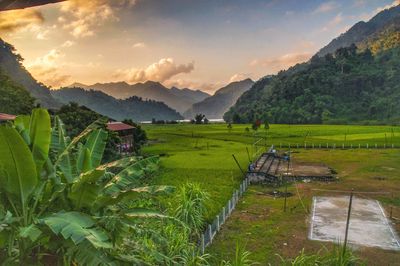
{"x": 4, "y": 117}
{"x": 118, "y": 126}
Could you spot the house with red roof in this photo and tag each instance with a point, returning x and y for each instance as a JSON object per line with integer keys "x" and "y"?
{"x": 125, "y": 132}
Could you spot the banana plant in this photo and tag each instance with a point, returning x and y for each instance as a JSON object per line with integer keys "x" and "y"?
{"x": 54, "y": 189}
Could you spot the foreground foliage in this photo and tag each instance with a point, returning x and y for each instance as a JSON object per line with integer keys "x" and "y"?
{"x": 58, "y": 199}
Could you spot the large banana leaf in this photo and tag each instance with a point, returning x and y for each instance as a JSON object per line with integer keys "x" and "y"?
{"x": 86, "y": 254}
{"x": 84, "y": 162}
{"x": 85, "y": 190}
{"x": 22, "y": 123}
{"x": 65, "y": 161}
{"x": 134, "y": 193}
{"x": 131, "y": 175}
{"x": 121, "y": 163}
{"x": 18, "y": 171}
{"x": 59, "y": 140}
{"x": 40, "y": 137}
{"x": 96, "y": 143}
{"x": 59, "y": 143}
{"x": 77, "y": 227}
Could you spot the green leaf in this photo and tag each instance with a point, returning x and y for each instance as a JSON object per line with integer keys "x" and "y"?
{"x": 21, "y": 123}
{"x": 18, "y": 168}
{"x": 77, "y": 227}
{"x": 65, "y": 159}
{"x": 85, "y": 190}
{"x": 40, "y": 136}
{"x": 32, "y": 232}
{"x": 144, "y": 213}
{"x": 96, "y": 144}
{"x": 131, "y": 175}
{"x": 105, "y": 199}
{"x": 86, "y": 254}
{"x": 84, "y": 162}
{"x": 122, "y": 163}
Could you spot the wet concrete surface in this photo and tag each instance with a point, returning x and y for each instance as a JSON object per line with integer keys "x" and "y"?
{"x": 368, "y": 223}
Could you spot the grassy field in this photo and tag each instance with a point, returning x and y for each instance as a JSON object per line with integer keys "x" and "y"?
{"x": 203, "y": 154}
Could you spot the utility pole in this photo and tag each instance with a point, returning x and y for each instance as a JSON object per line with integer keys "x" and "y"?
{"x": 348, "y": 222}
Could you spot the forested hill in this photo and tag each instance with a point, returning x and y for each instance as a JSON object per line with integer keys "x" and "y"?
{"x": 352, "y": 85}
{"x": 216, "y": 105}
{"x": 134, "y": 108}
{"x": 11, "y": 65}
{"x": 386, "y": 23}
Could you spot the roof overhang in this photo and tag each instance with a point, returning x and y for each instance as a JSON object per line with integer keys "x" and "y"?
{"x": 19, "y": 4}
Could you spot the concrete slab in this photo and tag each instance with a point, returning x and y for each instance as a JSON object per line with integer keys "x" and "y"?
{"x": 368, "y": 223}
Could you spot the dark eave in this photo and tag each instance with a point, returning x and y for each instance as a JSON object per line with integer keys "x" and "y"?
{"x": 19, "y": 4}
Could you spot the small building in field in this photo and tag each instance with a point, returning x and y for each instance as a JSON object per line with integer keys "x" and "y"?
{"x": 6, "y": 117}
{"x": 125, "y": 132}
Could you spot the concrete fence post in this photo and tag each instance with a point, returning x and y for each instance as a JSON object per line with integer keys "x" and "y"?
{"x": 367, "y": 145}
{"x": 223, "y": 214}
{"x": 376, "y": 146}
{"x": 210, "y": 234}
{"x": 202, "y": 244}
{"x": 218, "y": 223}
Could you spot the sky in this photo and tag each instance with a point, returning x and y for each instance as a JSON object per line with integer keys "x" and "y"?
{"x": 199, "y": 44}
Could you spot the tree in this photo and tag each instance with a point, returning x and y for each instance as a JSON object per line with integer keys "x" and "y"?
{"x": 61, "y": 200}
{"x": 14, "y": 99}
{"x": 198, "y": 118}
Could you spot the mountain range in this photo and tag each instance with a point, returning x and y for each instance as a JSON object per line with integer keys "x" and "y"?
{"x": 354, "y": 79}
{"x": 178, "y": 99}
{"x": 134, "y": 108}
{"x": 215, "y": 106}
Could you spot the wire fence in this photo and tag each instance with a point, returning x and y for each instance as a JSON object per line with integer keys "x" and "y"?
{"x": 336, "y": 146}
{"x": 213, "y": 228}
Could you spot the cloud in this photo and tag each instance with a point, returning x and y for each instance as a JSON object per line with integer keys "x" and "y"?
{"x": 82, "y": 17}
{"x": 194, "y": 85}
{"x": 239, "y": 77}
{"x": 160, "y": 71}
{"x": 11, "y": 21}
{"x": 282, "y": 62}
{"x": 326, "y": 7}
{"x": 368, "y": 16}
{"x": 333, "y": 22}
{"x": 46, "y": 70}
{"x": 139, "y": 45}
{"x": 68, "y": 43}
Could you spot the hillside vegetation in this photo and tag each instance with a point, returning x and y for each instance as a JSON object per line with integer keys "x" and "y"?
{"x": 14, "y": 98}
{"x": 134, "y": 108}
{"x": 352, "y": 85}
{"x": 11, "y": 64}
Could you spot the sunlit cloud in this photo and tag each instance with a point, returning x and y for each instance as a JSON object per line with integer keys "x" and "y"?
{"x": 160, "y": 71}
{"x": 239, "y": 77}
{"x": 194, "y": 85}
{"x": 83, "y": 17}
{"x": 11, "y": 21}
{"x": 326, "y": 7}
{"x": 68, "y": 43}
{"x": 282, "y": 62}
{"x": 46, "y": 70}
{"x": 139, "y": 45}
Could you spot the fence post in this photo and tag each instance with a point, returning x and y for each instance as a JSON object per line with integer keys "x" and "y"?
{"x": 223, "y": 214}
{"x": 351, "y": 146}
{"x": 376, "y": 146}
{"x": 342, "y": 145}
{"x": 297, "y": 145}
{"x": 313, "y": 145}
{"x": 280, "y": 145}
{"x": 202, "y": 244}
{"x": 320, "y": 145}
{"x": 327, "y": 146}
{"x": 210, "y": 234}
{"x": 289, "y": 146}
{"x": 218, "y": 224}
{"x": 367, "y": 145}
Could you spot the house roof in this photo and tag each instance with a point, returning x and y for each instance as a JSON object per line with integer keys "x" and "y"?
{"x": 118, "y": 126}
{"x": 18, "y": 4}
{"x": 4, "y": 117}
